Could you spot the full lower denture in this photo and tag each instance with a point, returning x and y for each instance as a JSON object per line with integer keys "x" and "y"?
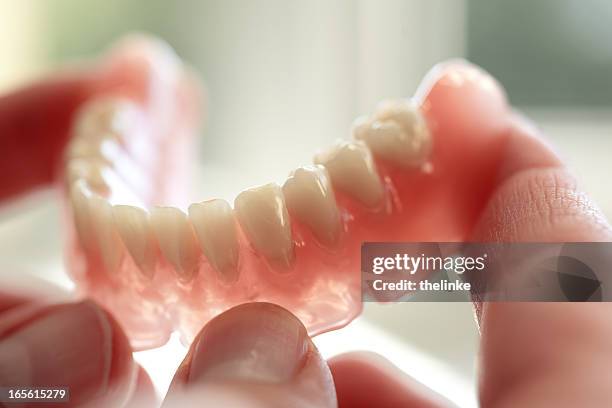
{"x": 160, "y": 269}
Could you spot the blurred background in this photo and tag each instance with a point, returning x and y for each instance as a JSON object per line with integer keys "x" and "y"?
{"x": 286, "y": 78}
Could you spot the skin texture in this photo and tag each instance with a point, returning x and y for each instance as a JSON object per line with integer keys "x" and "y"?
{"x": 531, "y": 354}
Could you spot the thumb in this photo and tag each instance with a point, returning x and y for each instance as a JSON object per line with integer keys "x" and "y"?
{"x": 254, "y": 355}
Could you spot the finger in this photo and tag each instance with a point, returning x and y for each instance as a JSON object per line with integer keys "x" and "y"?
{"x": 144, "y": 395}
{"x": 467, "y": 114}
{"x": 254, "y": 355}
{"x": 542, "y": 354}
{"x": 75, "y": 345}
{"x": 28, "y": 290}
{"x": 35, "y": 121}
{"x": 368, "y": 380}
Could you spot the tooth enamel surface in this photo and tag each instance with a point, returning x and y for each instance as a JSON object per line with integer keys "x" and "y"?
{"x": 396, "y": 132}
{"x": 83, "y": 148}
{"x": 79, "y": 200}
{"x": 263, "y": 216}
{"x": 176, "y": 240}
{"x": 352, "y": 170}
{"x": 90, "y": 171}
{"x": 135, "y": 231}
{"x": 113, "y": 115}
{"x": 311, "y": 200}
{"x": 214, "y": 224}
{"x": 106, "y": 237}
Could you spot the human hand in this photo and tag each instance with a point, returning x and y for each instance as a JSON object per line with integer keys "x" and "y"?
{"x": 536, "y": 200}
{"x": 532, "y": 354}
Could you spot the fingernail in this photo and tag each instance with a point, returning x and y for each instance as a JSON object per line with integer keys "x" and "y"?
{"x": 257, "y": 342}
{"x": 69, "y": 345}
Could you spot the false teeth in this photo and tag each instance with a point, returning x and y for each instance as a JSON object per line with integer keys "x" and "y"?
{"x": 90, "y": 171}
{"x": 311, "y": 200}
{"x": 135, "y": 230}
{"x": 352, "y": 170}
{"x": 176, "y": 241}
{"x": 396, "y": 132}
{"x": 80, "y": 195}
{"x": 106, "y": 237}
{"x": 106, "y": 115}
{"x": 263, "y": 216}
{"x": 214, "y": 224}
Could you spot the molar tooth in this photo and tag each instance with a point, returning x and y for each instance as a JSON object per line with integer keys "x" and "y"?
{"x": 89, "y": 170}
{"x": 109, "y": 114}
{"x": 352, "y": 170}
{"x": 263, "y": 216}
{"x": 83, "y": 148}
{"x": 215, "y": 227}
{"x": 176, "y": 241}
{"x": 310, "y": 199}
{"x": 136, "y": 233}
{"x": 106, "y": 237}
{"x": 397, "y": 132}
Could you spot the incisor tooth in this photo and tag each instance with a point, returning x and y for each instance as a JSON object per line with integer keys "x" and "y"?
{"x": 310, "y": 199}
{"x": 352, "y": 170}
{"x": 214, "y": 224}
{"x": 176, "y": 240}
{"x": 263, "y": 216}
{"x": 89, "y": 170}
{"x": 106, "y": 237}
{"x": 136, "y": 233}
{"x": 396, "y": 132}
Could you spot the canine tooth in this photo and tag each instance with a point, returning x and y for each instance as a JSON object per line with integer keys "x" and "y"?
{"x": 106, "y": 237}
{"x": 263, "y": 216}
{"x": 310, "y": 199}
{"x": 136, "y": 233}
{"x": 397, "y": 132}
{"x": 215, "y": 227}
{"x": 89, "y": 170}
{"x": 79, "y": 199}
{"x": 176, "y": 240}
{"x": 352, "y": 170}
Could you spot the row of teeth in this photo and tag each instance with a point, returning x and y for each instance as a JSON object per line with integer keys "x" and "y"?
{"x": 102, "y": 174}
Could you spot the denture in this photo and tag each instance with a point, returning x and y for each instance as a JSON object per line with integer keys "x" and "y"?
{"x": 415, "y": 169}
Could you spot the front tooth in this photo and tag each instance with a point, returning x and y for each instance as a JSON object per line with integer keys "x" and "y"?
{"x": 176, "y": 240}
{"x": 352, "y": 170}
{"x": 106, "y": 237}
{"x": 215, "y": 227}
{"x": 310, "y": 199}
{"x": 136, "y": 233}
{"x": 396, "y": 132}
{"x": 263, "y": 216}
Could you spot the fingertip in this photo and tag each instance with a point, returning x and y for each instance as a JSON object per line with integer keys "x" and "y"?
{"x": 257, "y": 352}
{"x": 368, "y": 379}
{"x": 254, "y": 341}
{"x": 464, "y": 104}
{"x": 74, "y": 345}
